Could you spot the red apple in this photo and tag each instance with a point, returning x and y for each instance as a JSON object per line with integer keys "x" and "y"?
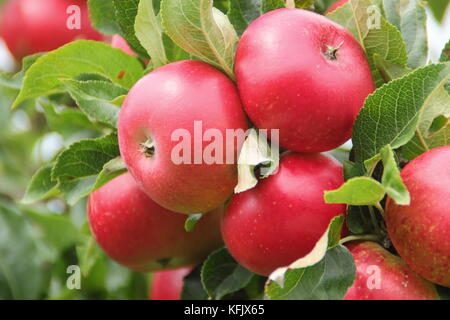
{"x": 282, "y": 218}
{"x": 136, "y": 232}
{"x": 336, "y": 5}
{"x": 167, "y": 285}
{"x": 120, "y": 43}
{"x": 421, "y": 231}
{"x": 299, "y": 72}
{"x": 382, "y": 276}
{"x": 177, "y": 105}
{"x": 32, "y": 26}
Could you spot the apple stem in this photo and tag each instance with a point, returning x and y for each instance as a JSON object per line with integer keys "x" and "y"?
{"x": 380, "y": 208}
{"x": 369, "y": 237}
{"x": 330, "y": 52}
{"x": 148, "y": 148}
{"x": 378, "y": 228}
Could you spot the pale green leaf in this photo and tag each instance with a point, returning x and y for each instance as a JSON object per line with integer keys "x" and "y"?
{"x": 391, "y": 180}
{"x": 357, "y": 191}
{"x": 150, "y": 34}
{"x": 43, "y": 78}
{"x": 201, "y": 30}
{"x": 409, "y": 16}
{"x": 96, "y": 99}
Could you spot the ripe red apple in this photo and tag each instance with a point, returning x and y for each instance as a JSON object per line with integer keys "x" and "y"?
{"x": 120, "y": 43}
{"x": 136, "y": 232}
{"x": 421, "y": 231}
{"x": 382, "y": 276}
{"x": 299, "y": 72}
{"x": 336, "y": 5}
{"x": 167, "y": 285}
{"x": 32, "y": 26}
{"x": 177, "y": 105}
{"x": 282, "y": 218}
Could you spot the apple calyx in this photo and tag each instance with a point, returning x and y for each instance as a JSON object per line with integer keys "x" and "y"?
{"x": 330, "y": 51}
{"x": 148, "y": 148}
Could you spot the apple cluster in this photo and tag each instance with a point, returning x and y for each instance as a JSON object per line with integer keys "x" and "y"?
{"x": 282, "y": 218}
{"x": 297, "y": 72}
{"x": 307, "y": 77}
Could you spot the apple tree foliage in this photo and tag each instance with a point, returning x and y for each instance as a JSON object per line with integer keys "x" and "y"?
{"x": 77, "y": 90}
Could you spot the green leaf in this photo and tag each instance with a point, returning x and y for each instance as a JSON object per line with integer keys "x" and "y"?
{"x": 371, "y": 164}
{"x": 352, "y": 170}
{"x": 389, "y": 71}
{"x": 242, "y": 13}
{"x": 22, "y": 264}
{"x": 102, "y": 14}
{"x": 320, "y": 6}
{"x": 391, "y": 180}
{"x": 110, "y": 170}
{"x": 69, "y": 122}
{"x": 255, "y": 152}
{"x": 222, "y": 5}
{"x": 445, "y": 56}
{"x": 299, "y": 4}
{"x": 173, "y": 51}
{"x": 96, "y": 99}
{"x": 85, "y": 165}
{"x": 222, "y": 275}
{"x": 391, "y": 115}
{"x": 28, "y": 61}
{"x": 335, "y": 230}
{"x": 85, "y": 158}
{"x": 201, "y": 30}
{"x": 88, "y": 252}
{"x": 80, "y": 188}
{"x": 9, "y": 89}
{"x": 357, "y": 191}
{"x": 410, "y": 18}
{"x": 433, "y": 129}
{"x": 56, "y": 229}
{"x": 443, "y": 292}
{"x": 125, "y": 15}
{"x": 359, "y": 220}
{"x": 364, "y": 20}
{"x": 44, "y": 77}
{"x": 328, "y": 240}
{"x": 160, "y": 47}
{"x": 75, "y": 190}
{"x": 41, "y": 186}
{"x": 327, "y": 280}
{"x": 269, "y": 5}
{"x": 438, "y": 8}
{"x": 191, "y": 221}
{"x": 150, "y": 34}
{"x": 192, "y": 287}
